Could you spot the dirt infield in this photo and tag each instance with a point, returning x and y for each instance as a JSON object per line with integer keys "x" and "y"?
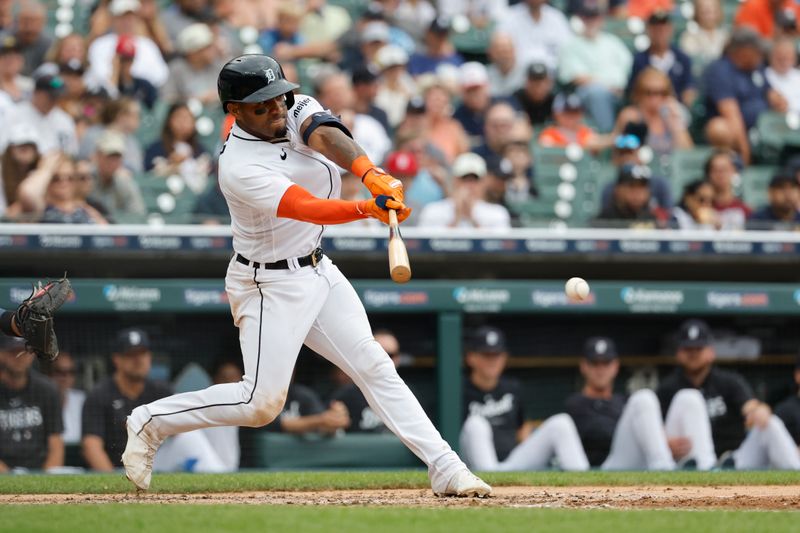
{"x": 642, "y": 497}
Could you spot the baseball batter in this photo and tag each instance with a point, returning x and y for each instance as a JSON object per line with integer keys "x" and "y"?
{"x": 620, "y": 433}
{"x": 278, "y": 173}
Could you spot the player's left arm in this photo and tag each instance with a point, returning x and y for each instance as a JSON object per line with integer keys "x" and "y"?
{"x": 327, "y": 135}
{"x": 55, "y": 451}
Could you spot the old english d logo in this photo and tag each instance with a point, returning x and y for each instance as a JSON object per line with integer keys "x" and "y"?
{"x": 269, "y": 74}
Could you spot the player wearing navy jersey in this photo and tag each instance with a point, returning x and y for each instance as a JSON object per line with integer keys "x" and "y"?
{"x": 789, "y": 409}
{"x": 627, "y": 433}
{"x": 740, "y": 424}
{"x": 495, "y": 435}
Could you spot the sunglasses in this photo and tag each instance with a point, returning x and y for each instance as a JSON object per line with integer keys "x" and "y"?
{"x": 655, "y": 92}
{"x": 82, "y": 177}
{"x": 62, "y": 177}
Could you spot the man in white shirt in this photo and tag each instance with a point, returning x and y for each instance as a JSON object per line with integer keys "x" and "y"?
{"x": 782, "y": 74}
{"x": 538, "y": 30}
{"x": 506, "y": 72}
{"x": 465, "y": 208}
{"x": 55, "y": 129}
{"x": 148, "y": 63}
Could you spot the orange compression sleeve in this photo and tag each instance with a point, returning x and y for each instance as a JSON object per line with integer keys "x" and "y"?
{"x": 299, "y": 204}
{"x": 361, "y": 165}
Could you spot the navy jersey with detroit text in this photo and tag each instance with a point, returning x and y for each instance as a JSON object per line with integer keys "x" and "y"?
{"x": 596, "y": 420}
{"x": 502, "y": 407}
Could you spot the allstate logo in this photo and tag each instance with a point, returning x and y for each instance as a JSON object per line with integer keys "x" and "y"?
{"x": 797, "y": 296}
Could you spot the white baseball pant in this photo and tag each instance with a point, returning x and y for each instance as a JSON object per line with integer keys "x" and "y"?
{"x": 687, "y": 416}
{"x": 277, "y": 311}
{"x": 769, "y": 447}
{"x": 190, "y": 452}
{"x": 556, "y": 437}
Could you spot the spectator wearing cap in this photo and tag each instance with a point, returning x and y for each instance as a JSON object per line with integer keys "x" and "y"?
{"x": 148, "y": 62}
{"x": 55, "y": 129}
{"x": 21, "y": 157}
{"x": 115, "y": 188}
{"x": 334, "y": 90}
{"x": 443, "y": 131}
{"x": 597, "y": 63}
{"x": 537, "y": 95}
{"x": 666, "y": 57}
{"x": 438, "y": 50}
{"x": 506, "y": 72}
{"x": 631, "y": 199}
{"x": 123, "y": 82}
{"x": 695, "y": 211}
{"x": 108, "y": 405}
{"x": 194, "y": 74}
{"x": 374, "y": 36}
{"x": 377, "y": 26}
{"x": 179, "y": 15}
{"x": 782, "y": 206}
{"x": 625, "y": 151}
{"x": 475, "y": 99}
{"x": 789, "y": 409}
{"x": 30, "y": 435}
{"x": 622, "y": 432}
{"x": 420, "y": 187}
{"x": 122, "y": 116}
{"x": 13, "y": 84}
{"x": 72, "y": 73}
{"x": 397, "y": 87}
{"x": 539, "y": 31}
{"x": 654, "y": 104}
{"x": 569, "y": 127}
{"x": 782, "y": 73}
{"x": 737, "y": 90}
{"x": 498, "y": 126}
{"x": 30, "y": 34}
{"x": 496, "y": 434}
{"x": 179, "y": 150}
{"x": 721, "y": 170}
{"x": 365, "y": 90}
{"x": 616, "y": 8}
{"x": 62, "y": 372}
{"x": 746, "y": 434}
{"x": 466, "y": 207}
{"x": 762, "y": 15}
{"x": 514, "y": 174}
{"x": 705, "y": 40}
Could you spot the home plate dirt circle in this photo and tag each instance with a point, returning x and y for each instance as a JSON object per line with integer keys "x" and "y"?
{"x": 772, "y": 497}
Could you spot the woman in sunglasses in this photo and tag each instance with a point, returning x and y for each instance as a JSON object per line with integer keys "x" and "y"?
{"x": 50, "y": 194}
{"x": 654, "y": 105}
{"x": 696, "y": 209}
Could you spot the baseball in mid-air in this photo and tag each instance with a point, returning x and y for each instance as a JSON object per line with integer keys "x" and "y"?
{"x": 577, "y": 289}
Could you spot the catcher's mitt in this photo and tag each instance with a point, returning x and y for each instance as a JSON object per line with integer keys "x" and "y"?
{"x": 34, "y": 317}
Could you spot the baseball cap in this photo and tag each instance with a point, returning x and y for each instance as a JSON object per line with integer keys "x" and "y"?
{"x": 9, "y": 44}
{"x": 781, "y": 179}
{"x": 634, "y": 174}
{"x": 600, "y": 349}
{"x": 50, "y": 84}
{"x": 403, "y": 163}
{"x": 120, "y": 7}
{"x": 745, "y": 36}
{"x": 659, "y": 16}
{"x": 440, "y": 25}
{"x": 364, "y": 75}
{"x": 132, "y": 339}
{"x": 11, "y": 344}
{"x": 375, "y": 31}
{"x": 590, "y": 9}
{"x": 73, "y": 66}
{"x": 538, "y": 71}
{"x": 416, "y": 105}
{"x": 473, "y": 74}
{"x": 627, "y": 141}
{"x": 195, "y": 37}
{"x": 567, "y": 102}
{"x": 374, "y": 11}
{"x": 126, "y": 46}
{"x": 21, "y": 134}
{"x": 486, "y": 339}
{"x": 694, "y": 333}
{"x": 391, "y": 56}
{"x": 469, "y": 164}
{"x": 110, "y": 143}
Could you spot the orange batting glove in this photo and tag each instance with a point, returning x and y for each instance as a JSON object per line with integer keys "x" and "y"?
{"x": 379, "y": 206}
{"x": 377, "y": 181}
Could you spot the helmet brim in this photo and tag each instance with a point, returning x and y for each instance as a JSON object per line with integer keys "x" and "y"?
{"x": 269, "y": 92}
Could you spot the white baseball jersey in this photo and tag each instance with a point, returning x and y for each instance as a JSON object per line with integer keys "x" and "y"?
{"x": 254, "y": 174}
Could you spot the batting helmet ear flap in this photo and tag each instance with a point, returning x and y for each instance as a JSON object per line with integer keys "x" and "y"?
{"x": 290, "y": 95}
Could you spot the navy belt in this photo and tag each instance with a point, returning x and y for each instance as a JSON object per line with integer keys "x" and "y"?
{"x": 311, "y": 259}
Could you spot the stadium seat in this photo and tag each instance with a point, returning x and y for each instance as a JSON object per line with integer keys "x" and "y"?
{"x": 686, "y": 166}
{"x": 754, "y": 184}
{"x": 774, "y": 132}
{"x": 474, "y": 41}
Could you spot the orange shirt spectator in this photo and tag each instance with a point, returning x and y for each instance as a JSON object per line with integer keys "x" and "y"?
{"x": 644, "y": 8}
{"x": 568, "y": 127}
{"x": 760, "y": 14}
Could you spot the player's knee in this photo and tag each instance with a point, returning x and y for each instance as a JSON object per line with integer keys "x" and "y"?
{"x": 690, "y": 399}
{"x": 378, "y": 366}
{"x": 264, "y": 408}
{"x": 645, "y": 400}
{"x": 562, "y": 423}
{"x": 475, "y": 424}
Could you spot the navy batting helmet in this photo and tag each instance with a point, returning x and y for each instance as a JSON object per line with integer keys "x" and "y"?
{"x": 253, "y": 78}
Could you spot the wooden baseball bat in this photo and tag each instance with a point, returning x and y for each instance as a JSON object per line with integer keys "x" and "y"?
{"x": 399, "y": 267}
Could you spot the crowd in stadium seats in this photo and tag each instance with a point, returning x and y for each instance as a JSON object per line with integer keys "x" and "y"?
{"x": 697, "y": 416}
{"x": 126, "y": 91}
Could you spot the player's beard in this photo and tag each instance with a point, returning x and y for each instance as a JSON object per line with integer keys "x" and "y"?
{"x": 282, "y": 131}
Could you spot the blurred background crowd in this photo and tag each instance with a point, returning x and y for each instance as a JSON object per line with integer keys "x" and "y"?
{"x": 494, "y": 113}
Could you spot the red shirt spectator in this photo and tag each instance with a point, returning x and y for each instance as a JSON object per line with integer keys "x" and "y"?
{"x": 760, "y": 14}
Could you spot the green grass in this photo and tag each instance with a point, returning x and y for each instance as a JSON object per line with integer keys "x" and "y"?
{"x": 122, "y": 518}
{"x": 255, "y": 481}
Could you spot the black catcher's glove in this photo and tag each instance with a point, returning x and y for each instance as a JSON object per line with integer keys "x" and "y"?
{"x": 34, "y": 317}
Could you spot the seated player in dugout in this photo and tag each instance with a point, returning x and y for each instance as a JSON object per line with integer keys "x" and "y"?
{"x": 108, "y": 404}
{"x": 789, "y": 409}
{"x": 30, "y": 412}
{"x": 495, "y": 435}
{"x": 746, "y": 434}
{"x": 628, "y": 433}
